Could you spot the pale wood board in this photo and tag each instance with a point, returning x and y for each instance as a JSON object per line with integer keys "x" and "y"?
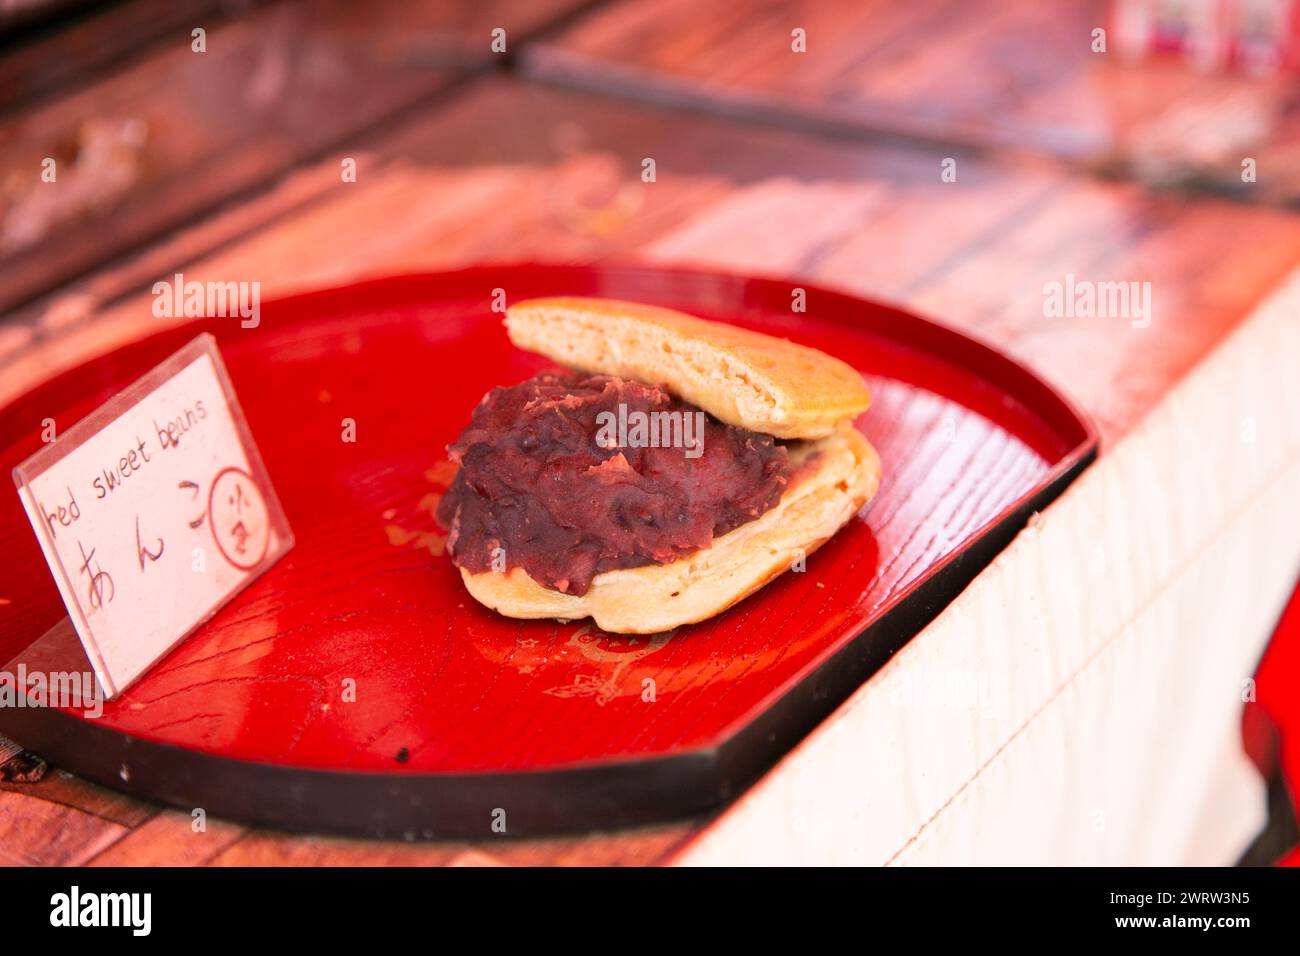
{"x": 1116, "y": 637}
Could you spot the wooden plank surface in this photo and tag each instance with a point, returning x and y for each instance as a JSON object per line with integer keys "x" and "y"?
{"x": 96, "y": 39}
{"x": 1012, "y": 75}
{"x": 175, "y": 132}
{"x": 507, "y": 171}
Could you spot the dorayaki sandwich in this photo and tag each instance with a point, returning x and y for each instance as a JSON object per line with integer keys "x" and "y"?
{"x": 671, "y": 467}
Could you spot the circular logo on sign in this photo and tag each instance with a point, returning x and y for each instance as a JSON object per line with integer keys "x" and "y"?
{"x": 241, "y": 524}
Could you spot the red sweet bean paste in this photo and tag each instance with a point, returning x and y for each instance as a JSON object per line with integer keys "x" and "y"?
{"x": 560, "y": 476}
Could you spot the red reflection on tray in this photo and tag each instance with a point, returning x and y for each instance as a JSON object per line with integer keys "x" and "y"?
{"x": 367, "y": 602}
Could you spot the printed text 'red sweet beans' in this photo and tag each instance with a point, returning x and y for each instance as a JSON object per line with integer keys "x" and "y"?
{"x": 167, "y": 434}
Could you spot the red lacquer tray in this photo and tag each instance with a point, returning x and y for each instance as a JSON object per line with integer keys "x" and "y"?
{"x": 459, "y": 713}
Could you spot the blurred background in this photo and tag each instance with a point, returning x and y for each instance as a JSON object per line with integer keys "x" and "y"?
{"x": 304, "y": 144}
{"x": 1080, "y": 130}
{"x": 158, "y": 112}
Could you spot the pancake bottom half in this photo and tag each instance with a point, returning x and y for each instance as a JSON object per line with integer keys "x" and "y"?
{"x": 659, "y": 597}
